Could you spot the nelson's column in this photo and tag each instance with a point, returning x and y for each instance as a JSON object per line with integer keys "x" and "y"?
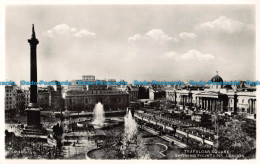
{"x": 34, "y": 126}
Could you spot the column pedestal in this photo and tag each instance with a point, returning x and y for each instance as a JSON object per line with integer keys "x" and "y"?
{"x": 34, "y": 126}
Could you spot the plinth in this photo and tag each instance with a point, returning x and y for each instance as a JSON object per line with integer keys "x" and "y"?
{"x": 34, "y": 126}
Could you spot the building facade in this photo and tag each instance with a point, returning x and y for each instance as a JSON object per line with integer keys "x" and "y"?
{"x": 233, "y": 99}
{"x": 10, "y": 97}
{"x": 86, "y": 100}
{"x": 133, "y": 93}
{"x": 47, "y": 98}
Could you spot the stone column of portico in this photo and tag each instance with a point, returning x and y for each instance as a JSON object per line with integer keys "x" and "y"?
{"x": 209, "y": 104}
{"x": 199, "y": 102}
{"x": 222, "y": 105}
{"x": 253, "y": 112}
{"x": 215, "y": 105}
{"x": 212, "y": 109}
{"x": 250, "y": 106}
{"x": 190, "y": 98}
{"x": 205, "y": 101}
{"x": 205, "y": 104}
{"x": 202, "y": 103}
{"x": 175, "y": 98}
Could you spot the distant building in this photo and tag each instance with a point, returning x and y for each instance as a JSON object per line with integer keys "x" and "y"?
{"x": 133, "y": 92}
{"x": 43, "y": 97}
{"x": 112, "y": 87}
{"x": 75, "y": 86}
{"x": 157, "y": 93}
{"x": 20, "y": 100}
{"x": 55, "y": 97}
{"x": 10, "y": 97}
{"x": 143, "y": 92}
{"x": 98, "y": 85}
{"x": 48, "y": 98}
{"x": 88, "y": 78}
{"x": 86, "y": 100}
{"x": 234, "y": 99}
{"x": 26, "y": 97}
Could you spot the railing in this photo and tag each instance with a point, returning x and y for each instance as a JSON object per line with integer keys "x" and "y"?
{"x": 198, "y": 133}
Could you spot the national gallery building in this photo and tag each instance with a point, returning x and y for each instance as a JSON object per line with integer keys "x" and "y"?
{"x": 231, "y": 99}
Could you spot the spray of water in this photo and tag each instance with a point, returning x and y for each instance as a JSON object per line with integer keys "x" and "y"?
{"x": 99, "y": 114}
{"x": 130, "y": 126}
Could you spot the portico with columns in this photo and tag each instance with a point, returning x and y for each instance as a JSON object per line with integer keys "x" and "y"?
{"x": 211, "y": 101}
{"x": 186, "y": 99}
{"x": 252, "y": 105}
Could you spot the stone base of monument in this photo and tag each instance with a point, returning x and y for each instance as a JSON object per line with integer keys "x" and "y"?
{"x": 35, "y": 134}
{"x": 34, "y": 127}
{"x": 32, "y": 130}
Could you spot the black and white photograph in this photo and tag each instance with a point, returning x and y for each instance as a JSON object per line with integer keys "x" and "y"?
{"x": 129, "y": 82}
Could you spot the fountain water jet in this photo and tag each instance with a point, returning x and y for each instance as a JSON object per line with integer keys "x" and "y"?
{"x": 130, "y": 126}
{"x": 98, "y": 115}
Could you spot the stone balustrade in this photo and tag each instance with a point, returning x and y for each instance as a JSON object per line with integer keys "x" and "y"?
{"x": 201, "y": 135}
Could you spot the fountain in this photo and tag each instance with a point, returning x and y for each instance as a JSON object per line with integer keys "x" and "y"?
{"x": 98, "y": 121}
{"x": 129, "y": 142}
{"x": 130, "y": 126}
{"x": 98, "y": 116}
{"x": 123, "y": 143}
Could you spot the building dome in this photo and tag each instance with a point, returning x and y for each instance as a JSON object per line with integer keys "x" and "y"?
{"x": 216, "y": 78}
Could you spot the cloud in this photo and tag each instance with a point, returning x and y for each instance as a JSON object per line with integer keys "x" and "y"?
{"x": 65, "y": 30}
{"x": 224, "y": 24}
{"x": 153, "y": 35}
{"x": 186, "y": 35}
{"x": 160, "y": 35}
{"x": 135, "y": 37}
{"x": 171, "y": 54}
{"x": 190, "y": 55}
{"x": 195, "y": 54}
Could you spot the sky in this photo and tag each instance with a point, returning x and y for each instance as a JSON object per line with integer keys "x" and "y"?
{"x": 132, "y": 42}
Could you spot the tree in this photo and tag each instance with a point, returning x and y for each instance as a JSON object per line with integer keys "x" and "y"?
{"x": 239, "y": 141}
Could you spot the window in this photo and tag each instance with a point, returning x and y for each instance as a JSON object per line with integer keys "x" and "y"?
{"x": 242, "y": 100}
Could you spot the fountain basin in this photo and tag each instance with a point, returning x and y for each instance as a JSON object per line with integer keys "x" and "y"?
{"x": 155, "y": 151}
{"x": 107, "y": 123}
